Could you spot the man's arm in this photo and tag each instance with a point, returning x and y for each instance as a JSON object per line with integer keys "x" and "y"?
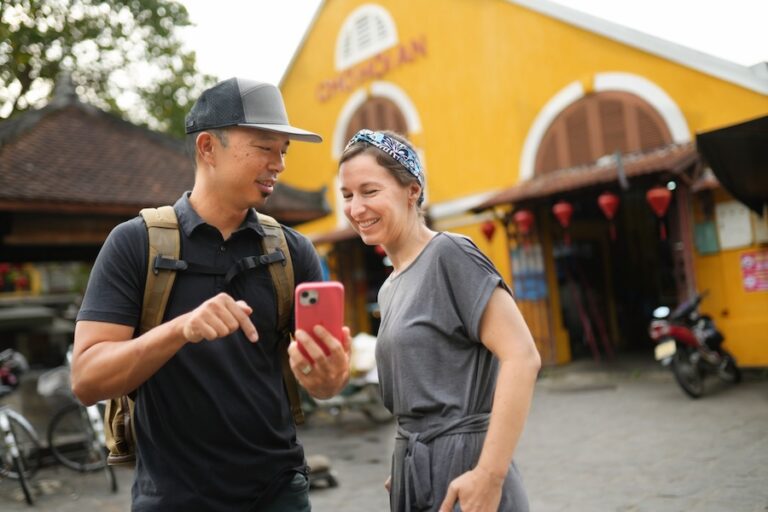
{"x": 107, "y": 362}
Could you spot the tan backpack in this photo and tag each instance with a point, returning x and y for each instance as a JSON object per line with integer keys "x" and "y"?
{"x": 164, "y": 242}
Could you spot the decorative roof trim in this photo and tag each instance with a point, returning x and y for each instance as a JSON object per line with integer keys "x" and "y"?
{"x": 748, "y": 77}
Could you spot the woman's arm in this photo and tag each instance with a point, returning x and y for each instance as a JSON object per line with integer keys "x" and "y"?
{"x": 504, "y": 331}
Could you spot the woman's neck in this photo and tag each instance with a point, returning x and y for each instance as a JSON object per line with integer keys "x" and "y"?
{"x": 409, "y": 246}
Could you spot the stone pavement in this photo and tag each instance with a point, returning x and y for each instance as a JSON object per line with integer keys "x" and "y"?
{"x": 618, "y": 437}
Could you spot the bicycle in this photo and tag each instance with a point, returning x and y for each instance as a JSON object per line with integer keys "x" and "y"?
{"x": 76, "y": 436}
{"x": 19, "y": 445}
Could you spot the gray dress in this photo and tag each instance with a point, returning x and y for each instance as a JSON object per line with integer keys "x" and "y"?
{"x": 436, "y": 377}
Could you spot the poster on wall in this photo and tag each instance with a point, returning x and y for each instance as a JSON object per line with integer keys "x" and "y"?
{"x": 734, "y": 227}
{"x": 529, "y": 277}
{"x": 754, "y": 271}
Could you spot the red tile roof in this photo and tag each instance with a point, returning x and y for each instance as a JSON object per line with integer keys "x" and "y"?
{"x": 70, "y": 156}
{"x": 79, "y": 154}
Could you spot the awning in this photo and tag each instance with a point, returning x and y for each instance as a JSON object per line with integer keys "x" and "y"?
{"x": 674, "y": 158}
{"x": 738, "y": 155}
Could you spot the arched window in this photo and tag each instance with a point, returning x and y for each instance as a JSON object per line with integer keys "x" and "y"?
{"x": 600, "y": 124}
{"x": 377, "y": 113}
{"x": 368, "y": 30}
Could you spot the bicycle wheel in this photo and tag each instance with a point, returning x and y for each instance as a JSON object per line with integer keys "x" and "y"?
{"x": 19, "y": 468}
{"x": 72, "y": 440}
{"x": 28, "y": 445}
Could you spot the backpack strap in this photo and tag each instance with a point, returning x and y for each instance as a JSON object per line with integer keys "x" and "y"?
{"x": 284, "y": 283}
{"x": 164, "y": 242}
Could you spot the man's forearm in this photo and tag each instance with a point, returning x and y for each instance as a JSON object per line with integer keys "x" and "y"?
{"x": 116, "y": 365}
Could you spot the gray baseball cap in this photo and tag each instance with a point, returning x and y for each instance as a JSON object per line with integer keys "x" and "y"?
{"x": 243, "y": 102}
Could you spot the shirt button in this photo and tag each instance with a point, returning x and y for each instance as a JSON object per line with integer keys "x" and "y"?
{"x": 223, "y": 248}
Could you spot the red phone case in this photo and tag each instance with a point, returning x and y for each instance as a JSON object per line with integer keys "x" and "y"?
{"x": 320, "y": 303}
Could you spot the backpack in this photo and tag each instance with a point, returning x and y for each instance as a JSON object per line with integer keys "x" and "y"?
{"x": 163, "y": 263}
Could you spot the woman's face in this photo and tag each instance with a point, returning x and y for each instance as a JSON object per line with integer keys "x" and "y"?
{"x": 375, "y": 203}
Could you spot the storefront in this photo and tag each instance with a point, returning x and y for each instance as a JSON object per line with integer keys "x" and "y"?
{"x": 547, "y": 105}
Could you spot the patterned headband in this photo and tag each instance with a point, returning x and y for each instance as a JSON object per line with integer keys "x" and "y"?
{"x": 402, "y": 154}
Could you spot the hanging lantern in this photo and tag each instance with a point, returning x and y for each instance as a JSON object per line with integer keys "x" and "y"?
{"x": 488, "y": 228}
{"x": 609, "y": 204}
{"x": 658, "y": 198}
{"x": 563, "y": 211}
{"x": 523, "y": 221}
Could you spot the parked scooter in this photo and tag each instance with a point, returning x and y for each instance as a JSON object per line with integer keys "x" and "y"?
{"x": 692, "y": 345}
{"x": 362, "y": 392}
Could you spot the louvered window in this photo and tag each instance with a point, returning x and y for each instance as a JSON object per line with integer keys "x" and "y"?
{"x": 600, "y": 124}
{"x": 367, "y": 31}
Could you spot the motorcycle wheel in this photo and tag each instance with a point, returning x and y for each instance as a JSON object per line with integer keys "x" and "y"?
{"x": 687, "y": 374}
{"x": 728, "y": 370}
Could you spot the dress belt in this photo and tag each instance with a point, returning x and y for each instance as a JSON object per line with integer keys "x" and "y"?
{"x": 417, "y": 462}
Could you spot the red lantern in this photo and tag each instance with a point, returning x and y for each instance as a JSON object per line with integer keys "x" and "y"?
{"x": 563, "y": 211}
{"x": 609, "y": 204}
{"x": 658, "y": 198}
{"x": 488, "y": 228}
{"x": 524, "y": 221}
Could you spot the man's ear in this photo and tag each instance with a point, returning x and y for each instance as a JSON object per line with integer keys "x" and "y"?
{"x": 204, "y": 147}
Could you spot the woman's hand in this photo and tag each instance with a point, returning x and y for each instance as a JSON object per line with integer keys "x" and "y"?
{"x": 388, "y": 484}
{"x": 322, "y": 370}
{"x": 477, "y": 490}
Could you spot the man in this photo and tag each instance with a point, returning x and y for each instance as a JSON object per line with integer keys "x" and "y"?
{"x": 213, "y": 424}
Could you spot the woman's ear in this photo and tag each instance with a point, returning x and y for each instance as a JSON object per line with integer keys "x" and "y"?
{"x": 414, "y": 191}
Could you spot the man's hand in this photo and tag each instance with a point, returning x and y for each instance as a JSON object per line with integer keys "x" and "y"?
{"x": 476, "y": 491}
{"x": 217, "y": 317}
{"x": 321, "y": 372}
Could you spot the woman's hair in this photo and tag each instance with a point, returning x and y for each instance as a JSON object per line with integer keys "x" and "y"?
{"x": 395, "y": 168}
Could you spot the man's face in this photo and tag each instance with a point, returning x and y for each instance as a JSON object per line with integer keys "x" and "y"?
{"x": 247, "y": 163}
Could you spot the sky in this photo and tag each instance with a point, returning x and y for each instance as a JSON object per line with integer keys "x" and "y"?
{"x": 257, "y": 38}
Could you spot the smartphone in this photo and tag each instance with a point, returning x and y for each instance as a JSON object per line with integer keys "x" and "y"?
{"x": 320, "y": 303}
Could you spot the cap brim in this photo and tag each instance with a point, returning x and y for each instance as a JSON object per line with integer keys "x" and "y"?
{"x": 292, "y": 132}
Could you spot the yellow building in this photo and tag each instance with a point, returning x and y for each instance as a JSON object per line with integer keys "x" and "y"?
{"x": 516, "y": 106}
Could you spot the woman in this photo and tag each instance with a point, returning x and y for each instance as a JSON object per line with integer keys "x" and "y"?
{"x": 450, "y": 334}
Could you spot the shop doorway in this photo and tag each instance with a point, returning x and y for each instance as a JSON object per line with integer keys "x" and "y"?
{"x": 608, "y": 288}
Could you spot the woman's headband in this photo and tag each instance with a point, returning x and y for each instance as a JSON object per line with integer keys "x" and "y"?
{"x": 402, "y": 154}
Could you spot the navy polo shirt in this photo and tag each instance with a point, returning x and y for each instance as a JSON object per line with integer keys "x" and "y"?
{"x": 213, "y": 425}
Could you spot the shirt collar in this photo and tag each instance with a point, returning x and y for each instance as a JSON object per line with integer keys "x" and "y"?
{"x": 189, "y": 220}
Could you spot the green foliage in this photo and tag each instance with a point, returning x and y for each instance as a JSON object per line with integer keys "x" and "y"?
{"x": 124, "y": 56}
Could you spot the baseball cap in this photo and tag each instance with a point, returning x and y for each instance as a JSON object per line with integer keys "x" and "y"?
{"x": 243, "y": 102}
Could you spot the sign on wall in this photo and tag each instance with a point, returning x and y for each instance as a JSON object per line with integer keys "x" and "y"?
{"x": 754, "y": 271}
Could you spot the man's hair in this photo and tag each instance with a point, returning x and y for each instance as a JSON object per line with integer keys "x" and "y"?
{"x": 191, "y": 140}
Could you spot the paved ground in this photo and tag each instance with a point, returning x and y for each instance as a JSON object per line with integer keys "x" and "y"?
{"x": 617, "y": 438}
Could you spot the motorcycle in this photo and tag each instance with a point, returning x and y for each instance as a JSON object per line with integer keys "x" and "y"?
{"x": 690, "y": 343}
{"x": 361, "y": 393}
